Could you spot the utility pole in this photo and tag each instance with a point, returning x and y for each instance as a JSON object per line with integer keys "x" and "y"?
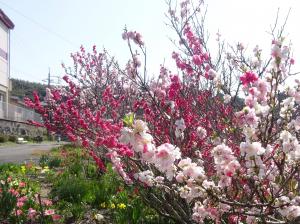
{"x": 49, "y": 114}
{"x": 49, "y": 81}
{"x": 49, "y": 78}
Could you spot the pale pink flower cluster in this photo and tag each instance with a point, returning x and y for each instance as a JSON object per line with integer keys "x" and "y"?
{"x": 192, "y": 176}
{"x": 118, "y": 166}
{"x": 202, "y": 211}
{"x": 146, "y": 177}
{"x": 212, "y": 74}
{"x": 290, "y": 211}
{"x": 163, "y": 156}
{"x": 158, "y": 87}
{"x": 133, "y": 35}
{"x": 290, "y": 145}
{"x": 226, "y": 164}
{"x": 279, "y": 51}
{"x": 201, "y": 132}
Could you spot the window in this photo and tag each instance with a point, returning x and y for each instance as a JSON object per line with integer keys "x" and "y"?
{"x": 1, "y": 97}
{"x": 3, "y": 54}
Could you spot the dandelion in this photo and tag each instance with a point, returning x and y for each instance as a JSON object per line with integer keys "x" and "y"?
{"x": 112, "y": 206}
{"x": 121, "y": 206}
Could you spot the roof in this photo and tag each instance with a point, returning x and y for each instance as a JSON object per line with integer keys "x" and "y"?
{"x": 7, "y": 22}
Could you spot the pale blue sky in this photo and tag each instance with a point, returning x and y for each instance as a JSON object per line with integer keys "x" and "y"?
{"x": 46, "y": 32}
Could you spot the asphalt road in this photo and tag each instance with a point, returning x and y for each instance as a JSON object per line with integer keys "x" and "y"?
{"x": 24, "y": 152}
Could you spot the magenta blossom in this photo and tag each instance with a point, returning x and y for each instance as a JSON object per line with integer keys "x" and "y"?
{"x": 248, "y": 77}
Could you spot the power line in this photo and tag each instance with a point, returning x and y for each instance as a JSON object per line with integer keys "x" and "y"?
{"x": 50, "y": 81}
{"x": 58, "y": 35}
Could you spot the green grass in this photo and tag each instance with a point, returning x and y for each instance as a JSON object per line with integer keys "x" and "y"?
{"x": 8, "y": 144}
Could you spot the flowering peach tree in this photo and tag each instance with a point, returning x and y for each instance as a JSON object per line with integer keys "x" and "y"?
{"x": 218, "y": 142}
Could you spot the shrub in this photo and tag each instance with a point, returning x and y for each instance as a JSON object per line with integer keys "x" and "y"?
{"x": 27, "y": 138}
{"x": 72, "y": 189}
{"x": 12, "y": 138}
{"x": 7, "y": 169}
{"x": 44, "y": 160}
{"x": 71, "y": 211}
{"x": 3, "y": 139}
{"x": 54, "y": 162}
{"x": 76, "y": 168}
{"x": 108, "y": 185}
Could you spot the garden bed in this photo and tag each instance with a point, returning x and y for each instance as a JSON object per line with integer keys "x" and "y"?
{"x": 66, "y": 186}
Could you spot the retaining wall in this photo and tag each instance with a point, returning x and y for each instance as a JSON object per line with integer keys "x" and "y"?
{"x": 17, "y": 128}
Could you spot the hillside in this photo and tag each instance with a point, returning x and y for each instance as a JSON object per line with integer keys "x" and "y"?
{"x": 21, "y": 88}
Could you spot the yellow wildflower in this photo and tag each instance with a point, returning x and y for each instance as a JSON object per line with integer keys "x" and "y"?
{"x": 102, "y": 205}
{"x": 45, "y": 170}
{"x": 121, "y": 206}
{"x": 112, "y": 206}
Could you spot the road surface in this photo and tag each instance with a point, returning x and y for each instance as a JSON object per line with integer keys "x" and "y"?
{"x": 24, "y": 152}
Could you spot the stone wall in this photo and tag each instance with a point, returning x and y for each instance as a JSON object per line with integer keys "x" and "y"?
{"x": 8, "y": 127}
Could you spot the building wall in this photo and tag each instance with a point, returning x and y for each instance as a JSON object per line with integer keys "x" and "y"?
{"x": 4, "y": 69}
{"x": 4, "y": 56}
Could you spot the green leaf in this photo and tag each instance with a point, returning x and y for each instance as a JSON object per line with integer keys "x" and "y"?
{"x": 128, "y": 119}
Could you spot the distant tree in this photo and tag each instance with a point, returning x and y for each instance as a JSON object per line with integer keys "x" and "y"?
{"x": 22, "y": 88}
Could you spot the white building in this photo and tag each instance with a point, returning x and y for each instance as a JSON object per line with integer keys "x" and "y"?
{"x": 5, "y": 26}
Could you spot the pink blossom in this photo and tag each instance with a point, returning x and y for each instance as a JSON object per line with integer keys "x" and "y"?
{"x": 22, "y": 199}
{"x": 292, "y": 61}
{"x": 56, "y": 217}
{"x": 165, "y": 156}
{"x": 13, "y": 192}
{"x": 212, "y": 74}
{"x": 250, "y": 117}
{"x": 19, "y": 212}
{"x": 248, "y": 77}
{"x": 20, "y": 204}
{"x": 31, "y": 213}
{"x": 46, "y": 202}
{"x": 49, "y": 212}
{"x": 275, "y": 51}
{"x": 22, "y": 184}
{"x": 250, "y": 101}
{"x": 297, "y": 97}
{"x": 197, "y": 60}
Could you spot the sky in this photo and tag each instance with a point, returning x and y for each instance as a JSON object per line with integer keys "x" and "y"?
{"x": 46, "y": 32}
